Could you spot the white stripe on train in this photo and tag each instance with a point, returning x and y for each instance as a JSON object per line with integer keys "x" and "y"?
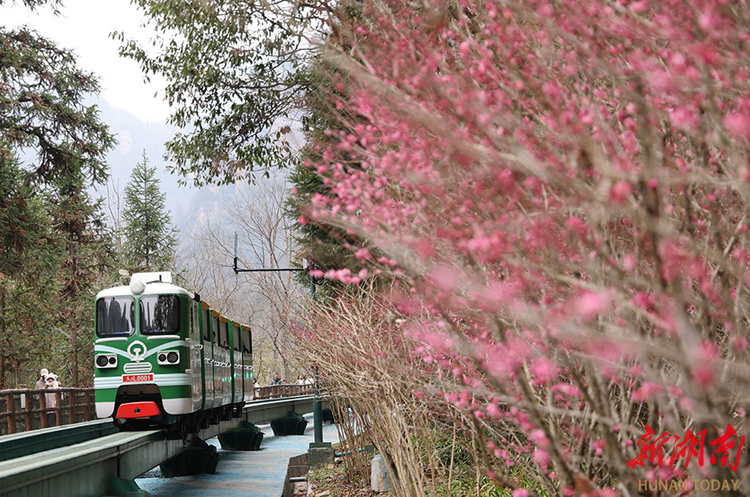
{"x": 163, "y": 380}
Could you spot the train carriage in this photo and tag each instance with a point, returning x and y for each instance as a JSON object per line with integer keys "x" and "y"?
{"x": 163, "y": 356}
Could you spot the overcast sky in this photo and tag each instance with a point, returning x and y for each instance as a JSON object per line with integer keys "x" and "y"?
{"x": 84, "y": 27}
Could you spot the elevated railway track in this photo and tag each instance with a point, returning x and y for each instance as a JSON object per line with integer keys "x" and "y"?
{"x": 79, "y": 460}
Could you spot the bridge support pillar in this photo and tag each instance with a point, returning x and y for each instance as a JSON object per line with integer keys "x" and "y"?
{"x": 246, "y": 436}
{"x": 121, "y": 487}
{"x": 291, "y": 424}
{"x": 198, "y": 458}
{"x": 319, "y": 454}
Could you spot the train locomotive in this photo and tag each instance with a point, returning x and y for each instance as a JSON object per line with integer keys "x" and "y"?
{"x": 164, "y": 357}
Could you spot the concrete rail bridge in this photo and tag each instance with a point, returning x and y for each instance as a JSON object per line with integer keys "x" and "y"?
{"x": 79, "y": 459}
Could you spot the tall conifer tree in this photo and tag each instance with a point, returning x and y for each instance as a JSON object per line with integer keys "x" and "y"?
{"x": 44, "y": 114}
{"x": 150, "y": 238}
{"x": 86, "y": 252}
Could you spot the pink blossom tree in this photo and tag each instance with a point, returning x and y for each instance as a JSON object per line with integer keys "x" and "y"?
{"x": 560, "y": 191}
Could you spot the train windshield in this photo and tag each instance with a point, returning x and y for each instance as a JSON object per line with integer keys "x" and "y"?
{"x": 160, "y": 315}
{"x": 115, "y": 316}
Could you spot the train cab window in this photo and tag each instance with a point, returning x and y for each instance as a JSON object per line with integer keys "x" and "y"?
{"x": 115, "y": 316}
{"x": 160, "y": 315}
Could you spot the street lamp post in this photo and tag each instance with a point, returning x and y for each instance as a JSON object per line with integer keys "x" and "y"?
{"x": 317, "y": 408}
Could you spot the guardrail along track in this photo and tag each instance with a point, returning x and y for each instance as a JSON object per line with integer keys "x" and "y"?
{"x": 32, "y": 442}
{"x": 84, "y": 469}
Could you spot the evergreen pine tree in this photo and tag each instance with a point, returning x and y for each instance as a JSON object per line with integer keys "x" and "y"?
{"x": 78, "y": 223}
{"x": 150, "y": 240}
{"x": 29, "y": 259}
{"x": 45, "y": 222}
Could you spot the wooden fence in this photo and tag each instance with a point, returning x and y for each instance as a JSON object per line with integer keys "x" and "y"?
{"x": 26, "y": 410}
{"x": 278, "y": 391}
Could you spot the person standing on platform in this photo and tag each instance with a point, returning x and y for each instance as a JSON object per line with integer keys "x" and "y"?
{"x": 50, "y": 398}
{"x": 40, "y": 382}
{"x": 274, "y": 383}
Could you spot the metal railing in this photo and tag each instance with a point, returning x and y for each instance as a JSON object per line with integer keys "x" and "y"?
{"x": 26, "y": 410}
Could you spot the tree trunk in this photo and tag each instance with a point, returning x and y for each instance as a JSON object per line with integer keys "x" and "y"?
{"x": 2, "y": 336}
{"x": 74, "y": 352}
{"x": 73, "y": 322}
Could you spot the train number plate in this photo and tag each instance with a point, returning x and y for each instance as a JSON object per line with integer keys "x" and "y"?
{"x": 137, "y": 378}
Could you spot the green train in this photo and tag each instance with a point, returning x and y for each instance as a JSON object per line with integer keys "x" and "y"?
{"x": 164, "y": 357}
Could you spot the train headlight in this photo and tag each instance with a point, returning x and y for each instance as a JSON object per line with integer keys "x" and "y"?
{"x": 105, "y": 361}
{"x": 169, "y": 358}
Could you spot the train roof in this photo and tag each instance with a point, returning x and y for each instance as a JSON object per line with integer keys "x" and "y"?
{"x": 151, "y": 283}
{"x": 157, "y": 283}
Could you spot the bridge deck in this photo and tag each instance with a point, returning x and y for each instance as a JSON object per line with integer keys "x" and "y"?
{"x": 252, "y": 473}
{"x": 84, "y": 469}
